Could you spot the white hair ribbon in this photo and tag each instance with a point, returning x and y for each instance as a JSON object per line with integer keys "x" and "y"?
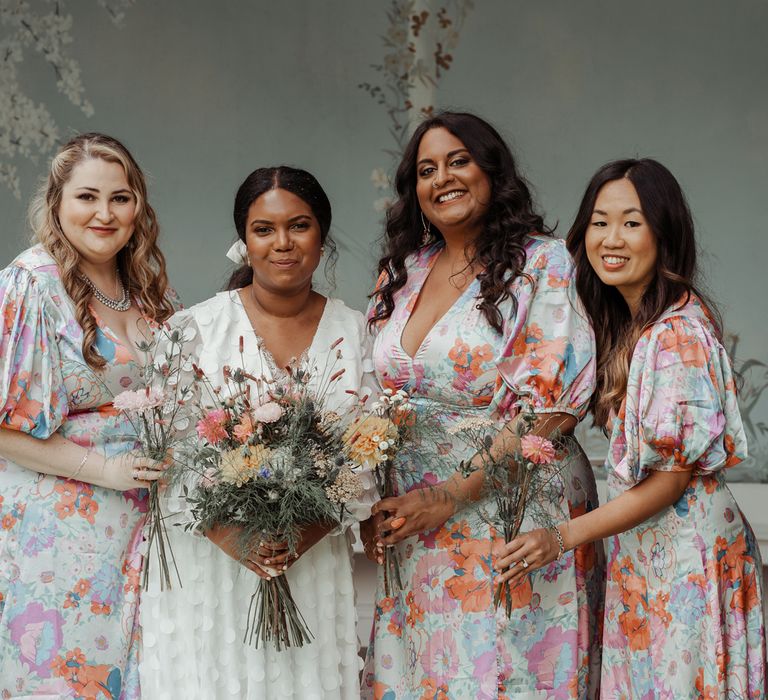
{"x": 238, "y": 253}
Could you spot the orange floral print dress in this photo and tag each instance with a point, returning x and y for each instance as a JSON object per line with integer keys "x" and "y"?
{"x": 441, "y": 637}
{"x": 683, "y": 610}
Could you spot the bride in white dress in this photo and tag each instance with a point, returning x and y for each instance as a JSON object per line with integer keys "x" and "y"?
{"x": 193, "y": 636}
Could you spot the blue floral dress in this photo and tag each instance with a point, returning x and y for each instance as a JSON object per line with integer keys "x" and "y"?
{"x": 441, "y": 637}
{"x": 69, "y": 551}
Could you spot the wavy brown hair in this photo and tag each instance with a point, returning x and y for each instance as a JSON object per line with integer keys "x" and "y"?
{"x": 499, "y": 249}
{"x": 616, "y": 330}
{"x": 140, "y": 263}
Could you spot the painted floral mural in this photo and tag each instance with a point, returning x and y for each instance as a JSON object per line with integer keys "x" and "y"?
{"x": 42, "y": 27}
{"x": 419, "y": 42}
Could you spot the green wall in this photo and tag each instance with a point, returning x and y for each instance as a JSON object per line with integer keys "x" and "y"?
{"x": 203, "y": 92}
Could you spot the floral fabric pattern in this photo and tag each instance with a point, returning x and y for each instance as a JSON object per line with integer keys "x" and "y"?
{"x": 441, "y": 637}
{"x": 69, "y": 551}
{"x": 683, "y": 615}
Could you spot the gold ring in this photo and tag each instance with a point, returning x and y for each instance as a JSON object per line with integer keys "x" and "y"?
{"x": 524, "y": 563}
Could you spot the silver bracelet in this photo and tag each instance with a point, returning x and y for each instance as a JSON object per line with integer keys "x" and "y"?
{"x": 81, "y": 465}
{"x": 560, "y": 542}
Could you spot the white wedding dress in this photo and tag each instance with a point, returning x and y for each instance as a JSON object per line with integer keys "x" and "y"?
{"x": 193, "y": 644}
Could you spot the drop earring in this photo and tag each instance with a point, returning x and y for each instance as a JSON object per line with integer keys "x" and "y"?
{"x": 426, "y": 233}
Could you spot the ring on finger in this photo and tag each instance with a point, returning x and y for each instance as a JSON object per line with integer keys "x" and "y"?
{"x": 524, "y": 563}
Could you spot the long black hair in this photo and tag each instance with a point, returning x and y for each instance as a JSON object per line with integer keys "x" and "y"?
{"x": 498, "y": 250}
{"x": 296, "y": 181}
{"x": 616, "y": 330}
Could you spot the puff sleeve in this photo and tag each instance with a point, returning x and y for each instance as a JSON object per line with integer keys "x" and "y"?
{"x": 33, "y": 398}
{"x": 681, "y": 410}
{"x": 548, "y": 350}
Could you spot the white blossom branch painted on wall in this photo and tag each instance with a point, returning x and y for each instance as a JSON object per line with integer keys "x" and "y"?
{"x": 27, "y": 127}
{"x": 419, "y": 43}
{"x": 752, "y": 383}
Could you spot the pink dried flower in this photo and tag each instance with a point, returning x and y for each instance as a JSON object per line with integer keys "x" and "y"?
{"x": 140, "y": 400}
{"x": 537, "y": 449}
{"x": 268, "y": 412}
{"x": 244, "y": 429}
{"x": 213, "y": 426}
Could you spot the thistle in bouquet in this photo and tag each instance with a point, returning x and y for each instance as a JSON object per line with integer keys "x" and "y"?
{"x": 270, "y": 462}
{"x": 158, "y": 414}
{"x": 520, "y": 477}
{"x": 373, "y": 439}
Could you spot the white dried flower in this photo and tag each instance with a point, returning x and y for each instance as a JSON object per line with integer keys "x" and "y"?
{"x": 346, "y": 486}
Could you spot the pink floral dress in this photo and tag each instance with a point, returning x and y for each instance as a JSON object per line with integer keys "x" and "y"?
{"x": 683, "y": 609}
{"x": 69, "y": 559}
{"x": 441, "y": 636}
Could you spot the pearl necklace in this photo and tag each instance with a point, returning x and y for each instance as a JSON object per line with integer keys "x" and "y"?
{"x": 123, "y": 303}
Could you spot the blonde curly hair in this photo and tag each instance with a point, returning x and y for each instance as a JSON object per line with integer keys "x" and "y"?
{"x": 140, "y": 262}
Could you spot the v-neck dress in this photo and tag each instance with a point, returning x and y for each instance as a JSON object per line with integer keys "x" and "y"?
{"x": 193, "y": 636}
{"x": 69, "y": 551}
{"x": 441, "y": 636}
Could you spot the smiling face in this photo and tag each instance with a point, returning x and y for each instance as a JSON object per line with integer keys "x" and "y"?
{"x": 97, "y": 210}
{"x": 620, "y": 245}
{"x": 284, "y": 241}
{"x": 452, "y": 189}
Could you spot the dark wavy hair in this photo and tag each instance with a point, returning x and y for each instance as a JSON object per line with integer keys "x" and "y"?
{"x": 498, "y": 250}
{"x": 616, "y": 331}
{"x": 296, "y": 181}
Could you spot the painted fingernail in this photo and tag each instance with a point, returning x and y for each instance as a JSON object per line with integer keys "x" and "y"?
{"x": 398, "y": 522}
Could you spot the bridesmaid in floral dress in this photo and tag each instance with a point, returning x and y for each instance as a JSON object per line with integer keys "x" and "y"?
{"x": 471, "y": 314}
{"x": 72, "y": 497}
{"x": 683, "y": 613}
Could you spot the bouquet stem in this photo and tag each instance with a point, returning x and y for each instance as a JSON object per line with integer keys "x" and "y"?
{"x": 273, "y": 616}
{"x": 512, "y": 513}
{"x": 157, "y": 537}
{"x": 393, "y": 583}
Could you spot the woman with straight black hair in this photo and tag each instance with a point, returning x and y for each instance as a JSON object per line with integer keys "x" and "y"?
{"x": 683, "y": 613}
{"x": 193, "y": 636}
{"x": 476, "y": 316}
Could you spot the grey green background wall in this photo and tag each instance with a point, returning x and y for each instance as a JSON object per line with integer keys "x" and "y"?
{"x": 203, "y": 92}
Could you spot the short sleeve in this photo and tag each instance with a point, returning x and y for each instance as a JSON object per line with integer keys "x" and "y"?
{"x": 548, "y": 350}
{"x": 33, "y": 398}
{"x": 685, "y": 400}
